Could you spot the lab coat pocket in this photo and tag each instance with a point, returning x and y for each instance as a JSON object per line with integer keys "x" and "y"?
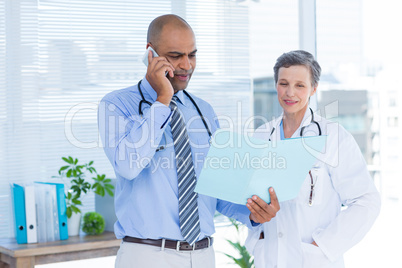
{"x": 259, "y": 254}
{"x": 255, "y": 246}
{"x": 313, "y": 257}
{"x": 253, "y": 239}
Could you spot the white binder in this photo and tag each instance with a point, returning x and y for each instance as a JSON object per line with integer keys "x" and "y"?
{"x": 30, "y": 211}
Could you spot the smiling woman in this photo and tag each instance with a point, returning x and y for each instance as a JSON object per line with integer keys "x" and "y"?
{"x": 313, "y": 231}
{"x": 296, "y": 76}
{"x": 294, "y": 89}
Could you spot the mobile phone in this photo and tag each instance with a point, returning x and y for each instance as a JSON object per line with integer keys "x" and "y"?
{"x": 145, "y": 57}
{"x": 154, "y": 54}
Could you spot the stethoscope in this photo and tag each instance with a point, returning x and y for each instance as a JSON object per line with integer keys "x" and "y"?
{"x": 302, "y": 129}
{"x": 143, "y": 100}
{"x": 312, "y": 121}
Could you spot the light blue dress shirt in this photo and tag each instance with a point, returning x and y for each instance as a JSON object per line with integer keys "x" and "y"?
{"x": 146, "y": 195}
{"x": 282, "y": 131}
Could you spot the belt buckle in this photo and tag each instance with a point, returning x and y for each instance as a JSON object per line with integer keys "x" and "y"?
{"x": 209, "y": 241}
{"x": 194, "y": 246}
{"x": 178, "y": 245}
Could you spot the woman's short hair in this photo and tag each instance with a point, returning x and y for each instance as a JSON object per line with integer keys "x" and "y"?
{"x": 299, "y": 57}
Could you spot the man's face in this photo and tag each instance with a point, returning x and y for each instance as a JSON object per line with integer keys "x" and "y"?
{"x": 179, "y": 48}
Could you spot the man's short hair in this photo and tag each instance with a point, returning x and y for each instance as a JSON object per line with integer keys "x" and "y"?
{"x": 156, "y": 26}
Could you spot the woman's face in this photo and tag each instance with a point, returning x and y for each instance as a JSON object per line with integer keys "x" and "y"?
{"x": 294, "y": 89}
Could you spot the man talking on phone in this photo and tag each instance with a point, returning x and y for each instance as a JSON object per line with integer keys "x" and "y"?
{"x": 157, "y": 136}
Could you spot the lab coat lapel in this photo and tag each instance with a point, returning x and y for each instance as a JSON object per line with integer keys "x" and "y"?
{"x": 276, "y": 135}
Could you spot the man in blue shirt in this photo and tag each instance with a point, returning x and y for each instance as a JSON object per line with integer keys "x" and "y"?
{"x": 137, "y": 139}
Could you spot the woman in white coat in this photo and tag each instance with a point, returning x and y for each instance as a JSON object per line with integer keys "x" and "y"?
{"x": 314, "y": 230}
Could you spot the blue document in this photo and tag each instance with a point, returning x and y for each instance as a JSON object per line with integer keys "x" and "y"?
{"x": 238, "y": 166}
{"x": 18, "y": 197}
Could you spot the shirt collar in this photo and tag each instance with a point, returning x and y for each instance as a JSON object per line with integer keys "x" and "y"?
{"x": 305, "y": 122}
{"x": 152, "y": 93}
{"x": 180, "y": 96}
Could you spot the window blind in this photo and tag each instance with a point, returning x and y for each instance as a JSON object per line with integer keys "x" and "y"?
{"x": 58, "y": 58}
{"x": 4, "y": 195}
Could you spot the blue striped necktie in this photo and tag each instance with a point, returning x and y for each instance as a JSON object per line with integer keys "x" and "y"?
{"x": 188, "y": 207}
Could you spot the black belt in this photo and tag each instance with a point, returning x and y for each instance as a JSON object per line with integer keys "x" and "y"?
{"x": 172, "y": 244}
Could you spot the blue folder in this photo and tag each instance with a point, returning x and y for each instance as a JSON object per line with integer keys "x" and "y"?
{"x": 19, "y": 213}
{"x": 238, "y": 166}
{"x": 62, "y": 210}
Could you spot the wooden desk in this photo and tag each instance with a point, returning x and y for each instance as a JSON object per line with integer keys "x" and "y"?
{"x": 13, "y": 255}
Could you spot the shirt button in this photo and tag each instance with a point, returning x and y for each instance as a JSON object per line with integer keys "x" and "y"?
{"x": 280, "y": 234}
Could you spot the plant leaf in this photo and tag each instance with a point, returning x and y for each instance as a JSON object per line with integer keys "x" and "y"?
{"x": 63, "y": 168}
{"x": 109, "y": 186}
{"x": 100, "y": 191}
{"x": 69, "y": 212}
{"x": 110, "y": 192}
{"x": 76, "y": 201}
{"x": 75, "y": 209}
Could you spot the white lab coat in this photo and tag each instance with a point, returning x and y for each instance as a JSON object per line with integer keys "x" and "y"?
{"x": 342, "y": 179}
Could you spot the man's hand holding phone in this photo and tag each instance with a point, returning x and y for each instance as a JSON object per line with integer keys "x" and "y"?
{"x": 156, "y": 76}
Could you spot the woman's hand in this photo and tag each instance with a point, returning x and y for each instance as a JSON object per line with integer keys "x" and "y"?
{"x": 261, "y": 211}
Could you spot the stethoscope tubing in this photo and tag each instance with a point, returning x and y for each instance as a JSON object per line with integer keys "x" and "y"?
{"x": 142, "y": 99}
{"x": 312, "y": 121}
{"x": 302, "y": 129}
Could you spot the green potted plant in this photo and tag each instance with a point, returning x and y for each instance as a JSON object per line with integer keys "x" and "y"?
{"x": 93, "y": 223}
{"x": 243, "y": 258}
{"x": 79, "y": 185}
